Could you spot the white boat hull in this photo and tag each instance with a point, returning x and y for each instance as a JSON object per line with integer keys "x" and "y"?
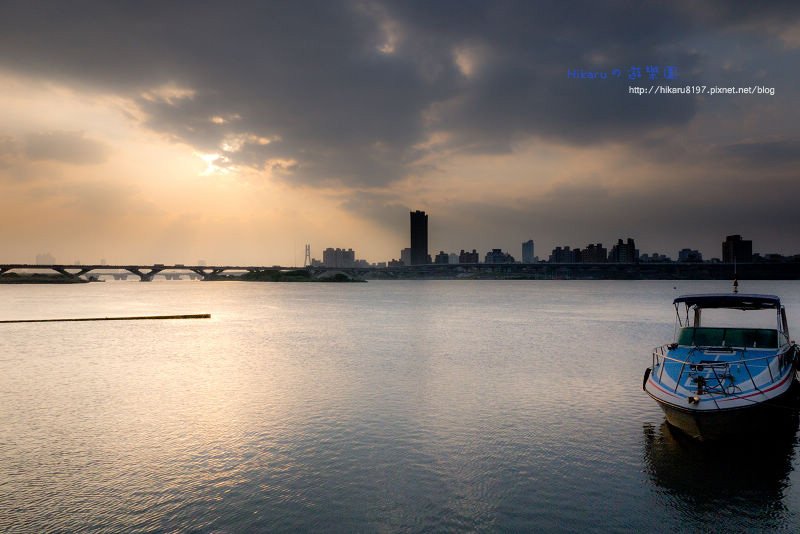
{"x": 747, "y": 417}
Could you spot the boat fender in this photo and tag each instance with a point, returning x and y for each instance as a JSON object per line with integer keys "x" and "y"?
{"x": 646, "y": 376}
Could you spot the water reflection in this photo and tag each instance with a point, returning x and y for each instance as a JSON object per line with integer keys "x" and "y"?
{"x": 739, "y": 482}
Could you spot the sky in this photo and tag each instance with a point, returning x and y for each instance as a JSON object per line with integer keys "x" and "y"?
{"x": 238, "y": 132}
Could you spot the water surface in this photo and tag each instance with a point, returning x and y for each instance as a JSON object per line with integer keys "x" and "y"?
{"x": 391, "y": 406}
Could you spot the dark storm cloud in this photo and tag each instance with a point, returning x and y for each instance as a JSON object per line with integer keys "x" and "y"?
{"x": 764, "y": 154}
{"x": 66, "y": 147}
{"x": 674, "y": 216}
{"x": 384, "y": 209}
{"x": 350, "y": 90}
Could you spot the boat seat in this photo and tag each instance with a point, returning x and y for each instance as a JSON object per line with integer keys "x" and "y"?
{"x": 761, "y": 338}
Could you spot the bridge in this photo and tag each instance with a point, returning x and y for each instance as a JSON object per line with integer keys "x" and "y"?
{"x": 144, "y": 272}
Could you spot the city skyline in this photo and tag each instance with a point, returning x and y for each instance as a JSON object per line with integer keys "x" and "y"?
{"x": 733, "y": 246}
{"x": 130, "y": 132}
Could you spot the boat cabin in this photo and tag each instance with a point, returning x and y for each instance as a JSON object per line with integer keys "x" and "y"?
{"x": 689, "y": 330}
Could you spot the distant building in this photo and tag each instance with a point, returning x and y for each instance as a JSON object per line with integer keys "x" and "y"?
{"x": 419, "y": 238}
{"x": 45, "y": 258}
{"x": 734, "y": 248}
{"x": 624, "y": 252}
{"x": 564, "y": 255}
{"x": 405, "y": 256}
{"x": 469, "y": 257}
{"x": 772, "y": 258}
{"x": 655, "y": 257}
{"x": 687, "y": 255}
{"x": 453, "y": 258}
{"x": 396, "y": 263}
{"x": 498, "y": 256}
{"x": 338, "y": 257}
{"x": 442, "y": 258}
{"x": 594, "y": 253}
{"x": 527, "y": 251}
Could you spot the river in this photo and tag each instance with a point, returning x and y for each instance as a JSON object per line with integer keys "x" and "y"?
{"x": 386, "y": 406}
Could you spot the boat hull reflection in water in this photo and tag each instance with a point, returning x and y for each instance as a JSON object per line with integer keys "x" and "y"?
{"x": 739, "y": 481}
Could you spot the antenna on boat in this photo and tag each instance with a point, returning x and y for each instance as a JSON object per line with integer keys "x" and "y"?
{"x": 735, "y": 278}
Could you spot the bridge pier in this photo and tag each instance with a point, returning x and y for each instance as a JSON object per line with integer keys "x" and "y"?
{"x": 205, "y": 275}
{"x": 63, "y": 271}
{"x": 144, "y": 277}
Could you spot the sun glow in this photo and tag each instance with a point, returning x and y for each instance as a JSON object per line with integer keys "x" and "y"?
{"x": 213, "y": 162}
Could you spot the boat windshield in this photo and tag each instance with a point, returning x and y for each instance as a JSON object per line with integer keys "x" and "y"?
{"x": 725, "y": 320}
{"x": 760, "y": 338}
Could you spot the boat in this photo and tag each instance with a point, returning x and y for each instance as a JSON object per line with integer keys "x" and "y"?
{"x": 718, "y": 381}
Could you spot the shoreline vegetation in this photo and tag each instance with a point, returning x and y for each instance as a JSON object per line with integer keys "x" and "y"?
{"x": 296, "y": 275}
{"x": 27, "y": 278}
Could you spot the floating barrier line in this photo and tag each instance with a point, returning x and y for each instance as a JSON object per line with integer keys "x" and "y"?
{"x": 147, "y": 317}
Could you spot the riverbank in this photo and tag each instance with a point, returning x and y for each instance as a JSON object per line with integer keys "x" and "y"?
{"x": 15, "y": 278}
{"x": 297, "y": 275}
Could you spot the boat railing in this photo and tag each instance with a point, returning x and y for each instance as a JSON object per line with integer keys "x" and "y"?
{"x": 661, "y": 356}
{"x": 661, "y": 353}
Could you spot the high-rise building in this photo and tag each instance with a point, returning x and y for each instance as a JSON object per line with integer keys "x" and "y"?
{"x": 594, "y": 253}
{"x": 527, "y": 251}
{"x": 419, "y": 238}
{"x": 688, "y": 255}
{"x": 734, "y": 248}
{"x": 405, "y": 256}
{"x": 469, "y": 257}
{"x": 565, "y": 255}
{"x": 496, "y": 255}
{"x": 338, "y": 257}
{"x": 624, "y": 252}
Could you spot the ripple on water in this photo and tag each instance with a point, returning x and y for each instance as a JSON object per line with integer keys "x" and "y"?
{"x": 387, "y": 406}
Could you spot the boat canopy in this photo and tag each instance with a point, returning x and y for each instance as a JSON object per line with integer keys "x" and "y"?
{"x": 739, "y": 301}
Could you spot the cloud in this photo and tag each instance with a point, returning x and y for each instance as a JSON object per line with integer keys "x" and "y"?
{"x": 384, "y": 209}
{"x": 349, "y": 91}
{"x": 691, "y": 213}
{"x": 762, "y": 154}
{"x": 7, "y": 145}
{"x": 8, "y": 150}
{"x": 65, "y": 146}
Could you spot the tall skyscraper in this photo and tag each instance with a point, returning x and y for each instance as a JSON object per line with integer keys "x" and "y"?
{"x": 734, "y": 248}
{"x": 527, "y": 251}
{"x": 419, "y": 238}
